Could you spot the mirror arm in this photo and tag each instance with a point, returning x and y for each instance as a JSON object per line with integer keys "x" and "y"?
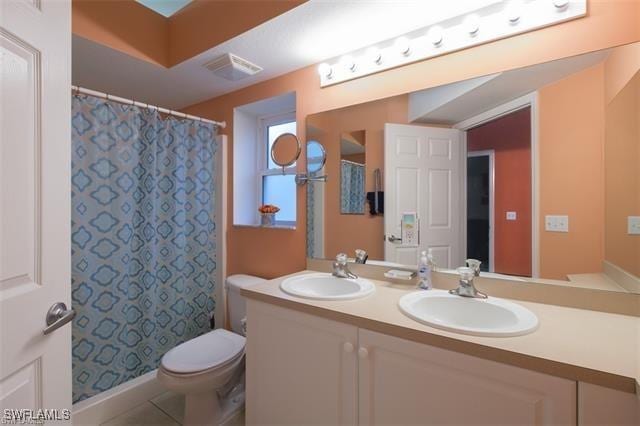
{"x": 304, "y": 178}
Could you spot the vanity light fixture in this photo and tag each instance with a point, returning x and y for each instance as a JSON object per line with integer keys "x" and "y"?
{"x": 561, "y": 4}
{"x": 436, "y": 36}
{"x": 514, "y": 12}
{"x": 403, "y": 46}
{"x": 325, "y": 70}
{"x": 472, "y": 24}
{"x": 374, "y": 54}
{"x": 499, "y": 19}
{"x": 348, "y": 63}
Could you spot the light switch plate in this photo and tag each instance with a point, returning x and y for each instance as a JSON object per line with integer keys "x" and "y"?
{"x": 556, "y": 223}
{"x": 512, "y": 215}
{"x": 633, "y": 225}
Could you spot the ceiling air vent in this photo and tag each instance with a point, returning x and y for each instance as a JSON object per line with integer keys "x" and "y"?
{"x": 232, "y": 67}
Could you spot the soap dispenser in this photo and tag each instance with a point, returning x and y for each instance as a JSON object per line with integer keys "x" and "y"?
{"x": 424, "y": 270}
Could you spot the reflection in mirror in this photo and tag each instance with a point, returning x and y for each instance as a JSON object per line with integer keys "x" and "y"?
{"x": 316, "y": 157}
{"x": 285, "y": 150}
{"x": 534, "y": 171}
{"x": 352, "y": 172}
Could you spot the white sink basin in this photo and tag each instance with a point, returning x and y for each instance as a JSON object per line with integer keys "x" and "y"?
{"x": 327, "y": 287}
{"x": 490, "y": 317}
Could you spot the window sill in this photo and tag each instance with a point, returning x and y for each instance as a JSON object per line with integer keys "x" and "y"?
{"x": 285, "y": 227}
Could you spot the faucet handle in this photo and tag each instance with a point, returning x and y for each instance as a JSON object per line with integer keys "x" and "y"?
{"x": 475, "y": 265}
{"x": 342, "y": 258}
{"x": 361, "y": 256}
{"x": 466, "y": 274}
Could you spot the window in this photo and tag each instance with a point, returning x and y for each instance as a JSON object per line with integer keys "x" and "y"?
{"x": 275, "y": 185}
{"x": 256, "y": 179}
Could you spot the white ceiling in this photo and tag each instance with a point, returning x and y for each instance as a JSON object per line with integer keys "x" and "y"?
{"x": 313, "y": 32}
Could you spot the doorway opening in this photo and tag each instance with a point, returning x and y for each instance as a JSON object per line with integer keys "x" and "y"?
{"x": 499, "y": 193}
{"x": 480, "y": 207}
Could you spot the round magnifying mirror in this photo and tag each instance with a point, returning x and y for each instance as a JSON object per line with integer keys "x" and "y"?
{"x": 316, "y": 156}
{"x": 285, "y": 150}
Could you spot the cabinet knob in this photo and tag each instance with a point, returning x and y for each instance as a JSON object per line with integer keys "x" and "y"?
{"x": 348, "y": 347}
{"x": 363, "y": 352}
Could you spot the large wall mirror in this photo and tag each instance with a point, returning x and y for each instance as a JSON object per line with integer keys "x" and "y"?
{"x": 533, "y": 171}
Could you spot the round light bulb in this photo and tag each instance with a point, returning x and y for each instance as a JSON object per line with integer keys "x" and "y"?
{"x": 436, "y": 35}
{"x": 403, "y": 46}
{"x": 325, "y": 70}
{"x": 561, "y": 4}
{"x": 513, "y": 12}
{"x": 472, "y": 24}
{"x": 374, "y": 54}
{"x": 348, "y": 63}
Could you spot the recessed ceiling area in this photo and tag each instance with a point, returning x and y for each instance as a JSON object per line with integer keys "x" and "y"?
{"x": 453, "y": 103}
{"x": 165, "y": 8}
{"x": 308, "y": 34}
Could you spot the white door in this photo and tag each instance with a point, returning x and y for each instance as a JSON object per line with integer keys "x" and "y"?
{"x": 35, "y": 257}
{"x": 408, "y": 383}
{"x": 423, "y": 175}
{"x": 301, "y": 369}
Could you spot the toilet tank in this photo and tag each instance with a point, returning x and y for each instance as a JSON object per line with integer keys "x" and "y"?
{"x": 237, "y": 307}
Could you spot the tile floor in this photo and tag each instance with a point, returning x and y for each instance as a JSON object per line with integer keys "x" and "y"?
{"x": 166, "y": 409}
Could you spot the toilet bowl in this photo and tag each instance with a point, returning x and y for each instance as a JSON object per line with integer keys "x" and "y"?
{"x": 209, "y": 369}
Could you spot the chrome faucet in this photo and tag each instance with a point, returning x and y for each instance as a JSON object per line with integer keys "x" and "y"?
{"x": 361, "y": 256}
{"x": 465, "y": 286}
{"x": 474, "y": 264}
{"x": 340, "y": 268}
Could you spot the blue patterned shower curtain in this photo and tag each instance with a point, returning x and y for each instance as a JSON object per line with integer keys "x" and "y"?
{"x": 143, "y": 242}
{"x": 351, "y": 188}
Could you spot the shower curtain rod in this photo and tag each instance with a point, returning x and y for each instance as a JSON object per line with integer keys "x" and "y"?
{"x": 352, "y": 162}
{"x": 77, "y": 89}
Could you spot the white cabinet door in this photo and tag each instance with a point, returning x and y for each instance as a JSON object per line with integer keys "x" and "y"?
{"x": 403, "y": 382}
{"x": 423, "y": 172}
{"x": 35, "y": 219}
{"x": 602, "y": 406}
{"x": 301, "y": 369}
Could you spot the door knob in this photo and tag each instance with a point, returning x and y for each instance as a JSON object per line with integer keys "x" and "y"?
{"x": 363, "y": 353}
{"x": 348, "y": 347}
{"x": 394, "y": 239}
{"x": 57, "y": 316}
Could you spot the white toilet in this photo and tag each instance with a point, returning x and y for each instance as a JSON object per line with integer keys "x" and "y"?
{"x": 209, "y": 369}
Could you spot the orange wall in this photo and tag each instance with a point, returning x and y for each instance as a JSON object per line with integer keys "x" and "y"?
{"x": 571, "y": 135}
{"x": 621, "y": 65}
{"x": 123, "y": 25}
{"x": 622, "y": 177}
{"x": 510, "y": 137}
{"x": 136, "y": 30}
{"x": 252, "y": 250}
{"x": 347, "y": 232}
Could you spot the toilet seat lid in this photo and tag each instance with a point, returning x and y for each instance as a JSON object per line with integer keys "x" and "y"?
{"x": 204, "y": 352}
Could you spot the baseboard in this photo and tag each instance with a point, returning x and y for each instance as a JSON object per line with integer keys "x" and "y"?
{"x": 628, "y": 281}
{"x": 109, "y": 404}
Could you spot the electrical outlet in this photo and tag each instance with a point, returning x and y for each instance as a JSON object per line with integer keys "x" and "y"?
{"x": 512, "y": 215}
{"x": 555, "y": 223}
{"x": 633, "y": 225}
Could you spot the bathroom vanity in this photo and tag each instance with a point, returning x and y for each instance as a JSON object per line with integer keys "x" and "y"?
{"x": 363, "y": 362}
